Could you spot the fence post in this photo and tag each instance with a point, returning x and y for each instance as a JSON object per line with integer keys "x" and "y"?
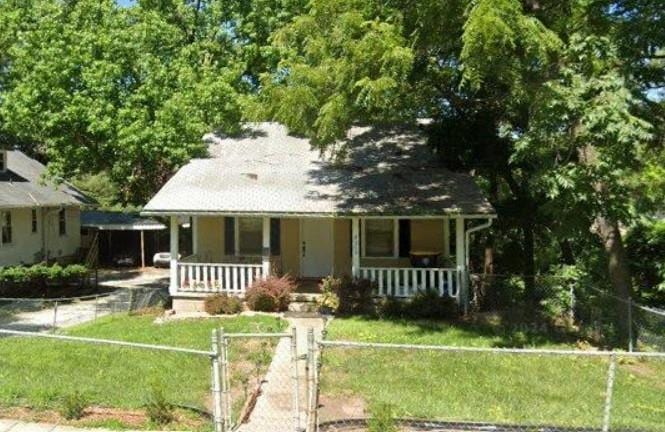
{"x": 630, "y": 324}
{"x": 96, "y": 304}
{"x": 226, "y": 380}
{"x": 294, "y": 369}
{"x": 216, "y": 382}
{"x": 131, "y": 300}
{"x": 311, "y": 366}
{"x": 55, "y": 317}
{"x": 608, "y": 393}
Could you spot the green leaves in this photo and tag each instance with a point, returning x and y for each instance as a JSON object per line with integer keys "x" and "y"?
{"x": 340, "y": 62}
{"x": 128, "y": 91}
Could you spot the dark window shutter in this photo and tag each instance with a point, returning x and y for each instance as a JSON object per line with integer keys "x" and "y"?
{"x": 229, "y": 236}
{"x": 404, "y": 237}
{"x": 275, "y": 237}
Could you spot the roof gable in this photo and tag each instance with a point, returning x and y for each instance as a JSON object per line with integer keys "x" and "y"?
{"x": 22, "y": 184}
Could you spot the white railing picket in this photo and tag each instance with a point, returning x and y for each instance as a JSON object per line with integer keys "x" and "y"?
{"x": 217, "y": 277}
{"x": 406, "y": 282}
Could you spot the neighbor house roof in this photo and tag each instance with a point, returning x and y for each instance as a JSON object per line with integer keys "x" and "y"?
{"x": 118, "y": 221}
{"x": 378, "y": 170}
{"x": 23, "y": 184}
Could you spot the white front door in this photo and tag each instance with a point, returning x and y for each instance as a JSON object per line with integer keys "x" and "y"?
{"x": 316, "y": 249}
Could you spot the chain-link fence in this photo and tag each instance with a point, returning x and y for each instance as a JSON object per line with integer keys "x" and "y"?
{"x": 387, "y": 387}
{"x": 95, "y": 381}
{"x": 40, "y": 314}
{"x": 575, "y": 307}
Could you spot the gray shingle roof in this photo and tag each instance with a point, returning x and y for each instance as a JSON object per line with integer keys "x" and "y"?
{"x": 387, "y": 170}
{"x": 118, "y": 221}
{"x": 23, "y": 185}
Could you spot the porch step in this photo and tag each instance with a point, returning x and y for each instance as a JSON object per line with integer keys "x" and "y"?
{"x": 303, "y": 307}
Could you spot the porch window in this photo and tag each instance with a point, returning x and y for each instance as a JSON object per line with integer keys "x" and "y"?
{"x": 380, "y": 238}
{"x": 250, "y": 236}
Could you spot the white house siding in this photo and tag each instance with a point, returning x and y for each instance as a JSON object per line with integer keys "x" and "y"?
{"x": 27, "y": 247}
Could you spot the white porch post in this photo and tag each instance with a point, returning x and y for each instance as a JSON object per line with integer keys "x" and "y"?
{"x": 195, "y": 235}
{"x": 446, "y": 237}
{"x": 173, "y": 285}
{"x": 265, "y": 258}
{"x": 460, "y": 261}
{"x": 355, "y": 247}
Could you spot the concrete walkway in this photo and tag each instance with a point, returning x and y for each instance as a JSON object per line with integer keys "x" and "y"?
{"x": 21, "y": 426}
{"x": 274, "y": 410}
{"x": 41, "y": 315}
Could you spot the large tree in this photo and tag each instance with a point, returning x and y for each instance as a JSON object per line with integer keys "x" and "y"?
{"x": 544, "y": 100}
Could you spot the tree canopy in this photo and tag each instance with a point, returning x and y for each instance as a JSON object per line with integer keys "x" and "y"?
{"x": 548, "y": 103}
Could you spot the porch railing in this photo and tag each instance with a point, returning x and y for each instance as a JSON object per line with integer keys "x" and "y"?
{"x": 217, "y": 277}
{"x": 407, "y": 281}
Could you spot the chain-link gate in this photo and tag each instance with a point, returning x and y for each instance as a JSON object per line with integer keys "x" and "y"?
{"x": 261, "y": 388}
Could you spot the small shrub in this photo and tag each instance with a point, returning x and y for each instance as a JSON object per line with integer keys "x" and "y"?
{"x": 222, "y": 304}
{"x": 391, "y": 307}
{"x": 382, "y": 419}
{"x": 430, "y": 304}
{"x": 270, "y": 295}
{"x": 158, "y": 408}
{"x": 355, "y": 297}
{"x": 73, "y": 406}
{"x": 329, "y": 300}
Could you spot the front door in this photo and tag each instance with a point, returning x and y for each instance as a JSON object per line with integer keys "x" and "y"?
{"x": 316, "y": 247}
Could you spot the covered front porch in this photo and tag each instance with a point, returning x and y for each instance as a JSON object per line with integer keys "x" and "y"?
{"x": 401, "y": 255}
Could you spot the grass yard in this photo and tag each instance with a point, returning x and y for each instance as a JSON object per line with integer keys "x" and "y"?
{"x": 565, "y": 391}
{"x": 39, "y": 373}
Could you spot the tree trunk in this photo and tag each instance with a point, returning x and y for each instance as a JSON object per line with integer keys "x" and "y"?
{"x": 529, "y": 265}
{"x": 567, "y": 255}
{"x": 619, "y": 273}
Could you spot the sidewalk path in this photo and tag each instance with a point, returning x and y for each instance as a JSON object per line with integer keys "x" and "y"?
{"x": 274, "y": 410}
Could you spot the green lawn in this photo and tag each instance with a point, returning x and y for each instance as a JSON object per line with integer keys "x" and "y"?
{"x": 567, "y": 391}
{"x": 37, "y": 373}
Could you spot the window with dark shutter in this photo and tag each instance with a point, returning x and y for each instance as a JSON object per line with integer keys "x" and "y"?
{"x": 404, "y": 237}
{"x": 275, "y": 237}
{"x": 229, "y": 236}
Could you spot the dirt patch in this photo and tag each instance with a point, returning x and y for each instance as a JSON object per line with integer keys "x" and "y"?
{"x": 645, "y": 370}
{"x": 341, "y": 407}
{"x": 133, "y": 419}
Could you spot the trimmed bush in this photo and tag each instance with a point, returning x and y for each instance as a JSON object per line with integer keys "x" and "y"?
{"x": 34, "y": 280}
{"x": 270, "y": 295}
{"x": 222, "y": 304}
{"x": 355, "y": 297}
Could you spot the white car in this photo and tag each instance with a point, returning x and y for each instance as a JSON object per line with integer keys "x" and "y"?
{"x": 162, "y": 259}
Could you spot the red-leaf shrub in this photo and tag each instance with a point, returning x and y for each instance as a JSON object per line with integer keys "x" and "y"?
{"x": 270, "y": 295}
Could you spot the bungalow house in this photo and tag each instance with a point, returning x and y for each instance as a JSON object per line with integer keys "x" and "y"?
{"x": 39, "y": 220}
{"x": 267, "y": 202}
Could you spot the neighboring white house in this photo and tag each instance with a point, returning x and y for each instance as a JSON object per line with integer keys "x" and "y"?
{"x": 270, "y": 202}
{"x": 38, "y": 220}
